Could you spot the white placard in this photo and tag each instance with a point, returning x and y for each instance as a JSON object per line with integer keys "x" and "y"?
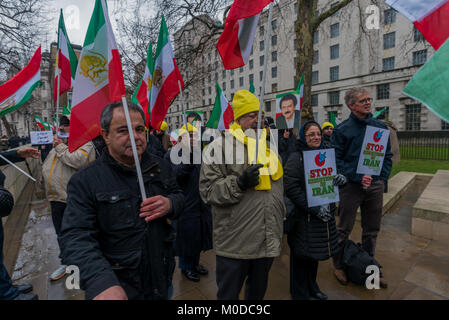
{"x": 320, "y": 169}
{"x": 41, "y": 137}
{"x": 373, "y": 151}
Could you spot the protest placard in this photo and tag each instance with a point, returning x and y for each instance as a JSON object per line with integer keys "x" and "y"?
{"x": 373, "y": 151}
{"x": 41, "y": 137}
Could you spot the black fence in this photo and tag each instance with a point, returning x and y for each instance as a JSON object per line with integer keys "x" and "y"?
{"x": 427, "y": 145}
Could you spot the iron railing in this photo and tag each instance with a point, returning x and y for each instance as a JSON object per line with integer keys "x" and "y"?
{"x": 428, "y": 145}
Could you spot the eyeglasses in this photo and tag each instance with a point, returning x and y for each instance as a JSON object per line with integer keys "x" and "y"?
{"x": 313, "y": 135}
{"x": 366, "y": 100}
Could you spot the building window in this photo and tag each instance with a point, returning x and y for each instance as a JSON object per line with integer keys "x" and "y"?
{"x": 333, "y": 5}
{"x": 314, "y": 77}
{"x": 335, "y": 51}
{"x": 251, "y": 50}
{"x": 209, "y": 89}
{"x": 274, "y": 56}
{"x": 389, "y": 16}
{"x": 251, "y": 78}
{"x": 315, "y": 57}
{"x": 241, "y": 81}
{"x": 334, "y": 73}
{"x": 223, "y": 75}
{"x": 274, "y": 24}
{"x": 274, "y": 72}
{"x": 444, "y": 125}
{"x": 261, "y": 45}
{"x": 274, "y": 87}
{"x": 388, "y": 64}
{"x": 241, "y": 69}
{"x": 224, "y": 85}
{"x": 261, "y": 59}
{"x": 210, "y": 101}
{"x": 216, "y": 76}
{"x": 335, "y": 30}
{"x": 413, "y": 117}
{"x": 267, "y": 106}
{"x": 384, "y": 115}
{"x": 334, "y": 97}
{"x": 208, "y": 56}
{"x": 314, "y": 100}
{"x": 251, "y": 64}
{"x": 296, "y": 7}
{"x": 232, "y": 72}
{"x": 389, "y": 40}
{"x": 260, "y": 75}
{"x": 417, "y": 35}
{"x": 419, "y": 57}
{"x": 383, "y": 91}
{"x": 274, "y": 40}
{"x": 261, "y": 31}
{"x": 204, "y": 92}
{"x": 232, "y": 84}
{"x": 315, "y": 37}
{"x": 209, "y": 78}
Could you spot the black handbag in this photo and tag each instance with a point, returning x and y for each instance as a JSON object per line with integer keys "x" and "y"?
{"x": 355, "y": 262}
{"x": 6, "y": 202}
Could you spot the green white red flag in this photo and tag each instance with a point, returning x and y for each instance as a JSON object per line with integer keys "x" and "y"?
{"x": 41, "y": 124}
{"x": 66, "y": 61}
{"x": 222, "y": 114}
{"x": 16, "y": 91}
{"x": 165, "y": 78}
{"x": 99, "y": 78}
{"x": 141, "y": 95}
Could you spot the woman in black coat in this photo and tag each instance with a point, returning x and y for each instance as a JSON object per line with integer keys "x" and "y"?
{"x": 313, "y": 236}
{"x": 194, "y": 226}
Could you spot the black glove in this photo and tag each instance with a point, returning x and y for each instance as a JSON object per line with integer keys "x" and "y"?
{"x": 339, "y": 180}
{"x": 249, "y": 177}
{"x": 6, "y": 202}
{"x": 324, "y": 213}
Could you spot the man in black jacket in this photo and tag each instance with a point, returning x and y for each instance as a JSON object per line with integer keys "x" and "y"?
{"x": 123, "y": 245}
{"x": 358, "y": 190}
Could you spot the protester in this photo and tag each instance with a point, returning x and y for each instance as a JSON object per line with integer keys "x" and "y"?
{"x": 58, "y": 168}
{"x": 194, "y": 226}
{"x": 287, "y": 144}
{"x": 8, "y": 291}
{"x": 163, "y": 136}
{"x": 360, "y": 190}
{"x": 123, "y": 245}
{"x": 327, "y": 128}
{"x": 4, "y": 143}
{"x": 313, "y": 236}
{"x": 14, "y": 141}
{"x": 154, "y": 145}
{"x": 247, "y": 208}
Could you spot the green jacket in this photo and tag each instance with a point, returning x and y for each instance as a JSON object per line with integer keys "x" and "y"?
{"x": 246, "y": 224}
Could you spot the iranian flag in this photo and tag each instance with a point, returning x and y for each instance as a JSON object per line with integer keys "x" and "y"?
{"x": 65, "y": 60}
{"x": 16, "y": 91}
{"x": 430, "y": 17}
{"x": 41, "y": 124}
{"x": 222, "y": 114}
{"x": 141, "y": 95}
{"x": 300, "y": 90}
{"x": 236, "y": 41}
{"x": 99, "y": 78}
{"x": 165, "y": 78}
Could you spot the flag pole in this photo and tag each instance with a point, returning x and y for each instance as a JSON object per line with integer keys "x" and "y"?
{"x": 57, "y": 97}
{"x": 133, "y": 145}
{"x": 264, "y": 75}
{"x": 184, "y": 115}
{"x": 26, "y": 174}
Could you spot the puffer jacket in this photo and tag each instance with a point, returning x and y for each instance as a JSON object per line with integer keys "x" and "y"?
{"x": 246, "y": 224}
{"x": 59, "y": 167}
{"x": 310, "y": 236}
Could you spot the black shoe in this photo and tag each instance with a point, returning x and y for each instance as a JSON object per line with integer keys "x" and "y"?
{"x": 191, "y": 275}
{"x": 23, "y": 296}
{"x": 24, "y": 288}
{"x": 319, "y": 296}
{"x": 201, "y": 270}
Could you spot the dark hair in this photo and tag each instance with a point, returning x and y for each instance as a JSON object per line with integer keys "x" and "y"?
{"x": 106, "y": 114}
{"x": 289, "y": 97}
{"x": 311, "y": 124}
{"x": 64, "y": 121}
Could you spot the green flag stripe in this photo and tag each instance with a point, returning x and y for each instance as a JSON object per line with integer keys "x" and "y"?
{"x": 96, "y": 22}
{"x": 25, "y": 98}
{"x": 163, "y": 38}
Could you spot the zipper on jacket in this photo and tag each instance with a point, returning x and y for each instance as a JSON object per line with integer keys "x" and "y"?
{"x": 328, "y": 239}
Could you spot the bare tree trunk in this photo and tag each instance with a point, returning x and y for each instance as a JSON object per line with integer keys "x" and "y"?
{"x": 7, "y": 127}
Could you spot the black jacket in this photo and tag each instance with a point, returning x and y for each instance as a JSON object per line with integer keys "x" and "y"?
{"x": 286, "y": 146}
{"x": 194, "y": 226}
{"x": 310, "y": 236}
{"x": 11, "y": 156}
{"x": 104, "y": 236}
{"x": 347, "y": 139}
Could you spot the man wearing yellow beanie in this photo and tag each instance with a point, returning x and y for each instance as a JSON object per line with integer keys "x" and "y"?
{"x": 247, "y": 204}
{"x": 327, "y": 128}
{"x": 163, "y": 136}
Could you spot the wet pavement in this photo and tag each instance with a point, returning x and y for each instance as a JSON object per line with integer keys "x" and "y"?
{"x": 415, "y": 268}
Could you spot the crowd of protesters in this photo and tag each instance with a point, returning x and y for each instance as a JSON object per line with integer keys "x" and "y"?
{"x": 125, "y": 246}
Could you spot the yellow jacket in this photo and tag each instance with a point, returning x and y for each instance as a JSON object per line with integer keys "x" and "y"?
{"x": 60, "y": 165}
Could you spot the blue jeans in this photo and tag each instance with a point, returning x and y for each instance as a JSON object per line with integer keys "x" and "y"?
{"x": 188, "y": 262}
{"x": 7, "y": 291}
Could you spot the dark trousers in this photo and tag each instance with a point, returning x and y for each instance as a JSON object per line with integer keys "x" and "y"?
{"x": 7, "y": 291}
{"x": 303, "y": 277}
{"x": 188, "y": 262}
{"x": 57, "y": 213}
{"x": 370, "y": 202}
{"x": 231, "y": 273}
